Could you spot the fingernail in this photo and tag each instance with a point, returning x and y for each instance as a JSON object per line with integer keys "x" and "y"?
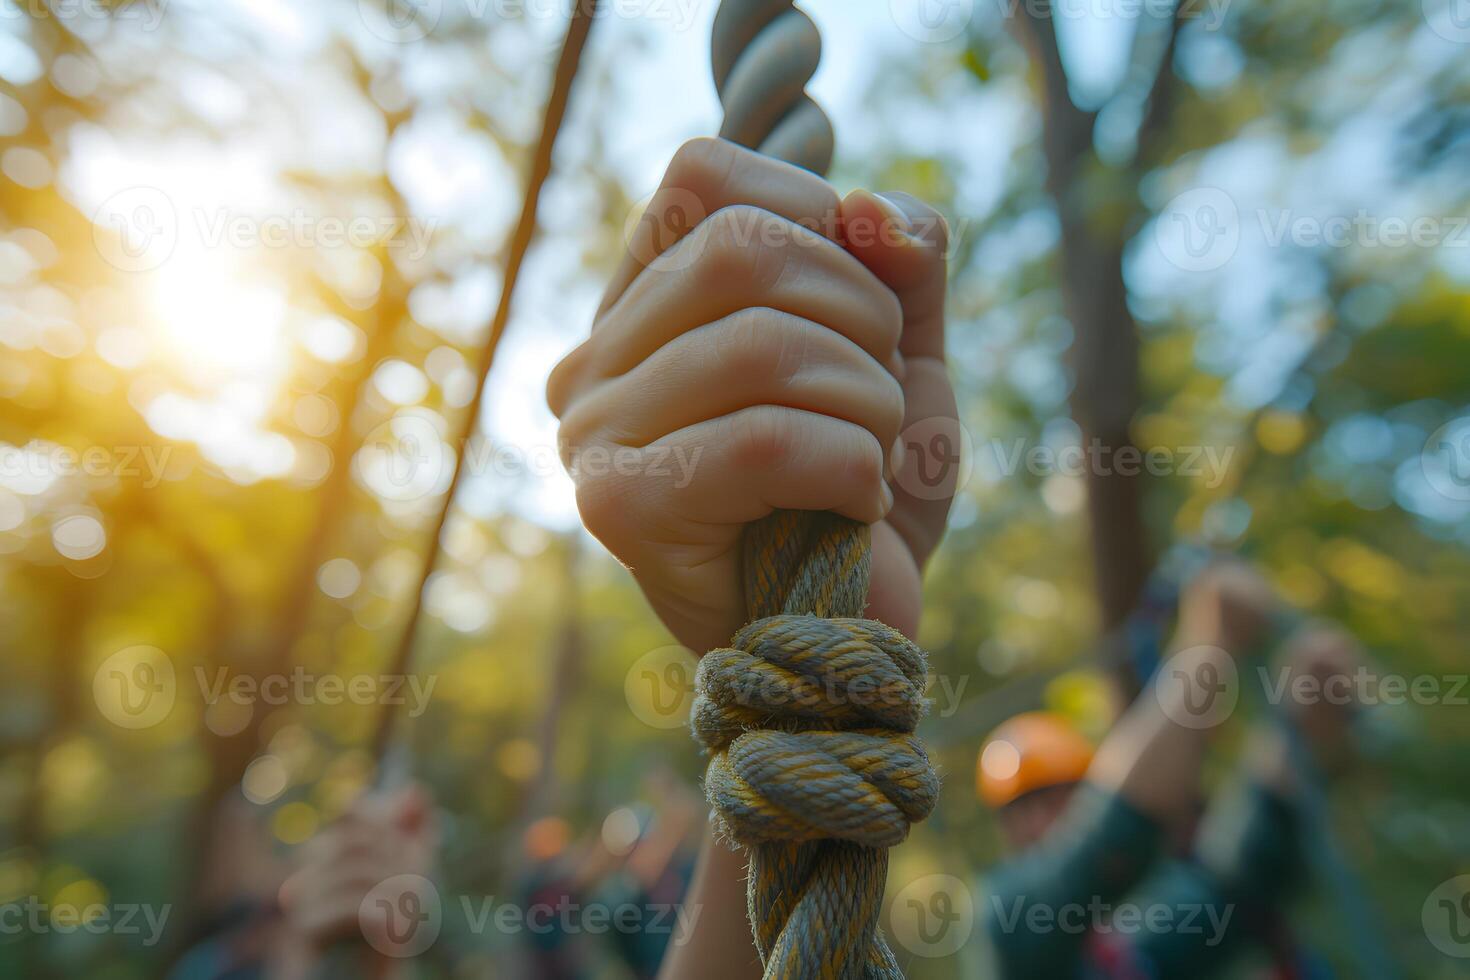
{"x": 887, "y": 500}
{"x": 897, "y": 456}
{"x": 894, "y": 214}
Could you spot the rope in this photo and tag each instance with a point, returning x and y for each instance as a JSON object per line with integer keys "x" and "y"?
{"x": 808, "y": 720}
{"x": 578, "y": 28}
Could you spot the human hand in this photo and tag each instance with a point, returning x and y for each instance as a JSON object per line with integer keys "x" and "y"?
{"x": 378, "y": 838}
{"x": 1227, "y": 605}
{"x": 1316, "y": 674}
{"x": 743, "y": 363}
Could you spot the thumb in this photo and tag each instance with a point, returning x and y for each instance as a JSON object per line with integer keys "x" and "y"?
{"x": 412, "y": 809}
{"x": 905, "y": 243}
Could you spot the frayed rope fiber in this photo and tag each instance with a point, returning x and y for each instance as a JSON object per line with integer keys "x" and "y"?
{"x": 809, "y": 717}
{"x": 814, "y": 765}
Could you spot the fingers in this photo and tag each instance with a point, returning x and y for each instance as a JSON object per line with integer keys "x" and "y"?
{"x": 707, "y": 175}
{"x": 905, "y": 243}
{"x": 740, "y": 257}
{"x": 755, "y": 357}
{"x": 734, "y": 470}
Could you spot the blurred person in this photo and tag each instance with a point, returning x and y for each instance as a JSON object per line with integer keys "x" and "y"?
{"x": 780, "y": 358}
{"x": 786, "y": 357}
{"x": 306, "y": 918}
{"x": 1096, "y": 831}
{"x": 649, "y": 875}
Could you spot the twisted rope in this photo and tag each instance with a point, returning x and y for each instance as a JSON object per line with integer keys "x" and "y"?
{"x": 808, "y": 720}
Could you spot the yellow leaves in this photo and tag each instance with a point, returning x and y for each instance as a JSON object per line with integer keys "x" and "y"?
{"x": 519, "y": 759}
{"x": 17, "y": 876}
{"x": 81, "y": 901}
{"x": 1281, "y": 433}
{"x": 72, "y": 783}
{"x": 476, "y": 683}
{"x": 1302, "y": 585}
{"x": 1369, "y": 573}
{"x": 1084, "y": 698}
{"x": 295, "y": 823}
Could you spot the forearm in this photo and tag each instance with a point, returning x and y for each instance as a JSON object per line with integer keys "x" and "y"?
{"x": 1100, "y": 849}
{"x": 718, "y": 945}
{"x": 1154, "y": 755}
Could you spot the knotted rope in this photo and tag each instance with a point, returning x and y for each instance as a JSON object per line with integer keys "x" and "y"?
{"x": 808, "y": 720}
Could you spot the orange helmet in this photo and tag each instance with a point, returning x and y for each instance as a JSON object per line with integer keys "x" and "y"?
{"x": 1030, "y": 751}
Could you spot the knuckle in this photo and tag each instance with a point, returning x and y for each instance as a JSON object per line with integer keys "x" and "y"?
{"x": 863, "y": 463}
{"x": 566, "y": 378}
{"x": 700, "y": 162}
{"x": 893, "y": 406}
{"x": 603, "y": 506}
{"x": 891, "y": 319}
{"x": 758, "y": 342}
{"x": 741, "y": 246}
{"x": 763, "y": 438}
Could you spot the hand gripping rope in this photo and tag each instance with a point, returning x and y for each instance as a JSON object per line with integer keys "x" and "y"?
{"x": 809, "y": 717}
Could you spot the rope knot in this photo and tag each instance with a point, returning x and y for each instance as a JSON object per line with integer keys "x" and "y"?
{"x": 809, "y": 723}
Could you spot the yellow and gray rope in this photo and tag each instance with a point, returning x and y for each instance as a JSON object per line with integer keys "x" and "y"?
{"x": 809, "y": 716}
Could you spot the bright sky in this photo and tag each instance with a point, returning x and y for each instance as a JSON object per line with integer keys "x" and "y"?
{"x": 218, "y": 312}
